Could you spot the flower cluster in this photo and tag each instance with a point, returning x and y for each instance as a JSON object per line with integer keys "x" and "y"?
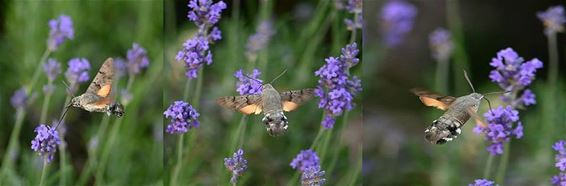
{"x": 502, "y": 124}
{"x": 196, "y": 50}
{"x": 237, "y": 165}
{"x": 61, "y": 29}
{"x": 52, "y": 69}
{"x": 511, "y": 71}
{"x": 245, "y": 85}
{"x": 46, "y": 141}
{"x": 553, "y": 19}
{"x": 397, "y": 18}
{"x": 308, "y": 163}
{"x": 183, "y": 117}
{"x": 440, "y": 41}
{"x": 313, "y": 176}
{"x": 305, "y": 159}
{"x": 560, "y": 157}
{"x": 137, "y": 59}
{"x": 78, "y": 71}
{"x": 482, "y": 182}
{"x": 336, "y": 87}
{"x": 204, "y": 13}
{"x": 19, "y": 99}
{"x": 260, "y": 39}
{"x": 354, "y": 7}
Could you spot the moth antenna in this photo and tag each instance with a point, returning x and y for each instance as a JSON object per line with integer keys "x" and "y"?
{"x": 469, "y": 82}
{"x": 245, "y": 75}
{"x": 278, "y": 76}
{"x": 498, "y": 92}
{"x": 67, "y": 85}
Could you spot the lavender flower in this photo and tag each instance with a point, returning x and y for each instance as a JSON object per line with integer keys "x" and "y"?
{"x": 313, "y": 176}
{"x": 19, "y": 99}
{"x": 61, "y": 28}
{"x": 52, "y": 68}
{"x": 397, "y": 19}
{"x": 203, "y": 13}
{"x": 352, "y": 24}
{"x": 78, "y": 70}
{"x": 46, "y": 141}
{"x": 121, "y": 66}
{"x": 560, "y": 157}
{"x": 125, "y": 97}
{"x": 137, "y": 59}
{"x": 502, "y": 124}
{"x": 260, "y": 39}
{"x": 559, "y": 179}
{"x": 482, "y": 182}
{"x": 336, "y": 87}
{"x": 553, "y": 19}
{"x": 237, "y": 165}
{"x": 354, "y": 6}
{"x": 305, "y": 159}
{"x": 183, "y": 117}
{"x": 195, "y": 54}
{"x": 440, "y": 41}
{"x": 247, "y": 86}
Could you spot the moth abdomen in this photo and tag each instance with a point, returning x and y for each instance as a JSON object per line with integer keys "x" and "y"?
{"x": 442, "y": 130}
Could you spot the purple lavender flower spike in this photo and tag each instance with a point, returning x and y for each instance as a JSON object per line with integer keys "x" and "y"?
{"x": 137, "y": 59}
{"x": 503, "y": 123}
{"x": 61, "y": 29}
{"x": 352, "y": 24}
{"x": 52, "y": 68}
{"x": 440, "y": 41}
{"x": 204, "y": 13}
{"x": 77, "y": 73}
{"x": 397, "y": 18}
{"x": 19, "y": 99}
{"x": 553, "y": 19}
{"x": 237, "y": 164}
{"x": 560, "y": 158}
{"x": 354, "y": 6}
{"x": 247, "y": 86}
{"x": 313, "y": 176}
{"x": 305, "y": 159}
{"x": 183, "y": 117}
{"x": 336, "y": 87}
{"x": 195, "y": 54}
{"x": 46, "y": 141}
{"x": 260, "y": 39}
{"x": 482, "y": 182}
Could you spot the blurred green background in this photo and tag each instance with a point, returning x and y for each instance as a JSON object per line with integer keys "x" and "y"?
{"x": 306, "y": 32}
{"x": 395, "y": 152}
{"x": 100, "y": 149}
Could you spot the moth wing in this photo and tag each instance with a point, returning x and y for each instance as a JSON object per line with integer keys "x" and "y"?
{"x": 476, "y": 117}
{"x": 293, "y": 98}
{"x": 99, "y": 104}
{"x": 247, "y": 104}
{"x": 101, "y": 85}
{"x": 433, "y": 99}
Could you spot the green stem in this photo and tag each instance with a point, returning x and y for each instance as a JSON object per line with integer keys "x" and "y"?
{"x": 338, "y": 146}
{"x": 186, "y": 91}
{"x": 358, "y": 168}
{"x": 237, "y": 140}
{"x": 487, "y": 169}
{"x": 38, "y": 69}
{"x": 500, "y": 176}
{"x": 318, "y": 135}
{"x": 43, "y": 172}
{"x": 62, "y": 147}
{"x": 196, "y": 99}
{"x": 45, "y": 107}
{"x": 178, "y": 166}
{"x": 553, "y": 60}
{"x": 8, "y": 161}
{"x": 354, "y": 30}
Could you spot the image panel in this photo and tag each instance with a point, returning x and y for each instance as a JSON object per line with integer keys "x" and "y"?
{"x": 262, "y": 93}
{"x": 80, "y": 92}
{"x": 464, "y": 92}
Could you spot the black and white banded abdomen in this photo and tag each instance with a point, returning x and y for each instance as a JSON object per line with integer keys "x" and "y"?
{"x": 443, "y": 129}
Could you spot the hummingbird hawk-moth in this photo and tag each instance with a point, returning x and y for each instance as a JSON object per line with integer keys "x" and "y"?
{"x": 97, "y": 97}
{"x": 458, "y": 112}
{"x": 272, "y": 103}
